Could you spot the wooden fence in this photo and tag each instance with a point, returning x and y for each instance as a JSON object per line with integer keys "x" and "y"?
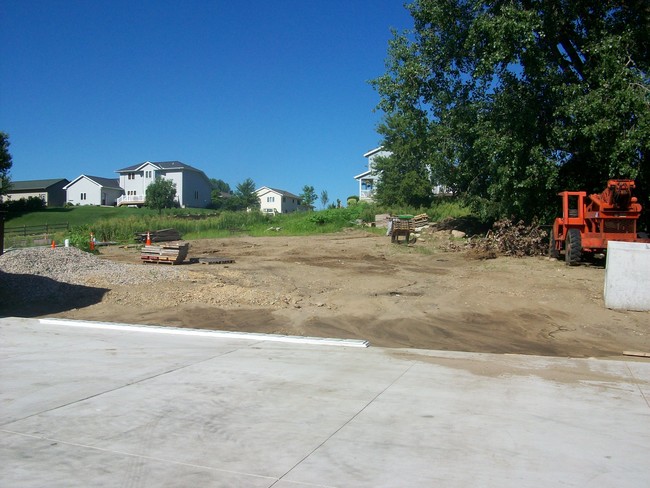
{"x": 32, "y": 235}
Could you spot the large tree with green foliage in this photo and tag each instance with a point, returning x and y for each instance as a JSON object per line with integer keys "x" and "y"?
{"x": 161, "y": 194}
{"x": 308, "y": 196}
{"x": 509, "y": 101}
{"x": 220, "y": 193}
{"x": 5, "y": 162}
{"x": 245, "y": 196}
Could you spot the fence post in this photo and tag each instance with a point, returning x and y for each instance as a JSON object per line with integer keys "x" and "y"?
{"x": 2, "y": 232}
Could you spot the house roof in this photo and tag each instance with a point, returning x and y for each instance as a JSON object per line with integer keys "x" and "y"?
{"x": 105, "y": 182}
{"x": 28, "y": 185}
{"x": 159, "y": 165}
{"x": 362, "y": 175}
{"x": 265, "y": 189}
{"x": 373, "y": 151}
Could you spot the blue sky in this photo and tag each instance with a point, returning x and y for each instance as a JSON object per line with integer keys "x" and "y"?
{"x": 272, "y": 90}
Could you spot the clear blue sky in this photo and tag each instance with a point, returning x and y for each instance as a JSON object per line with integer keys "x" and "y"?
{"x": 272, "y": 90}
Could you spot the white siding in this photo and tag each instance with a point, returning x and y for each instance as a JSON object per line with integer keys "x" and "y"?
{"x": 84, "y": 192}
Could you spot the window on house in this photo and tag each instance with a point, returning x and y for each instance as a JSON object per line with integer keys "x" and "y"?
{"x": 131, "y": 176}
{"x": 270, "y": 199}
{"x": 196, "y": 195}
{"x": 82, "y": 196}
{"x": 284, "y": 199}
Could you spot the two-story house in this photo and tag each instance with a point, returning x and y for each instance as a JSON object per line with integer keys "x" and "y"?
{"x": 274, "y": 201}
{"x": 193, "y": 187}
{"x": 369, "y": 178}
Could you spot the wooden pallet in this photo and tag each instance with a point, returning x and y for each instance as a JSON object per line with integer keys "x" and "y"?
{"x": 172, "y": 253}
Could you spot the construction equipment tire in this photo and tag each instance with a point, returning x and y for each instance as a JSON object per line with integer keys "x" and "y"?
{"x": 573, "y": 251}
{"x": 552, "y": 250}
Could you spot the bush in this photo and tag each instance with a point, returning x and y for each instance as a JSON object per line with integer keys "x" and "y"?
{"x": 31, "y": 204}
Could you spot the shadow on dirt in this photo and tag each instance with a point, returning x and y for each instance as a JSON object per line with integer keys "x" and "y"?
{"x": 469, "y": 224}
{"x": 26, "y": 295}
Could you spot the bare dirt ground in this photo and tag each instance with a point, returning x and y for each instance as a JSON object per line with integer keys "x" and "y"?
{"x": 357, "y": 284}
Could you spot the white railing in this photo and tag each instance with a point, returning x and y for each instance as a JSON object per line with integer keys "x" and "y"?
{"x": 130, "y": 200}
{"x": 366, "y": 194}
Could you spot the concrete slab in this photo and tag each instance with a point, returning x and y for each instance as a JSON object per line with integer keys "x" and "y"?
{"x": 120, "y": 406}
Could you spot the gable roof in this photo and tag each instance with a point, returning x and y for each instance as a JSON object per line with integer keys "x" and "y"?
{"x": 27, "y": 185}
{"x": 362, "y": 175}
{"x": 260, "y": 191}
{"x": 373, "y": 151}
{"x": 104, "y": 182}
{"x": 159, "y": 165}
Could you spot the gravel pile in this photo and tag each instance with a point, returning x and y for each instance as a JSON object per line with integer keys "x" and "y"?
{"x": 58, "y": 274}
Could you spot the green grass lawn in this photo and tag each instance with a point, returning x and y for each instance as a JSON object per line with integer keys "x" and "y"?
{"x": 83, "y": 215}
{"x": 113, "y": 224}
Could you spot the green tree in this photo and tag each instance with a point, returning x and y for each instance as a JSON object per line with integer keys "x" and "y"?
{"x": 161, "y": 194}
{"x": 245, "y": 196}
{"x": 324, "y": 198}
{"x": 308, "y": 196}
{"x": 220, "y": 185}
{"x": 5, "y": 163}
{"x": 220, "y": 193}
{"x": 507, "y": 102}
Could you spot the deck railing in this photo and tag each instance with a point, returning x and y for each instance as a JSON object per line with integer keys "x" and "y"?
{"x": 130, "y": 200}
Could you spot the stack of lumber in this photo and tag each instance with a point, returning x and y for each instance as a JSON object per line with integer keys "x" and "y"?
{"x": 163, "y": 235}
{"x": 420, "y": 220}
{"x": 172, "y": 253}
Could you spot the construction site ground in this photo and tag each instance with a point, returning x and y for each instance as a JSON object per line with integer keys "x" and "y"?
{"x": 356, "y": 284}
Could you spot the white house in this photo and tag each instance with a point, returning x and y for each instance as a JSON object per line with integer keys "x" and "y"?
{"x": 193, "y": 188}
{"x": 368, "y": 179}
{"x": 273, "y": 200}
{"x": 93, "y": 190}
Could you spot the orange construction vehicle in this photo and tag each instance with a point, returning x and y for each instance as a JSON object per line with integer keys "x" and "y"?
{"x": 589, "y": 222}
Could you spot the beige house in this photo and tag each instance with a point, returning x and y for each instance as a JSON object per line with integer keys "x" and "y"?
{"x": 50, "y": 191}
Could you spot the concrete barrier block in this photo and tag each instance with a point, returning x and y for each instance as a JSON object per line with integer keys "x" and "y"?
{"x": 627, "y": 276}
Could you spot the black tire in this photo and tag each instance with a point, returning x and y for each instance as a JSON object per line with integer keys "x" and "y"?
{"x": 573, "y": 252}
{"x": 552, "y": 250}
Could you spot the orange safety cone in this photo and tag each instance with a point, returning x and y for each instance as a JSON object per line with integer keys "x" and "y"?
{"x": 53, "y": 244}
{"x": 148, "y": 241}
{"x": 92, "y": 242}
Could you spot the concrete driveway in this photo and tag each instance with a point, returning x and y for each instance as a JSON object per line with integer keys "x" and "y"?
{"x": 89, "y": 404}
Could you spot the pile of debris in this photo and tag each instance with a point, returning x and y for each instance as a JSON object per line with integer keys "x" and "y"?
{"x": 510, "y": 239}
{"x": 163, "y": 235}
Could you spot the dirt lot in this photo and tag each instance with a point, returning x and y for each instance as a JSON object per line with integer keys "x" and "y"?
{"x": 358, "y": 285}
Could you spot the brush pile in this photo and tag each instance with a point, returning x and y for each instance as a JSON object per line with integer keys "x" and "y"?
{"x": 509, "y": 239}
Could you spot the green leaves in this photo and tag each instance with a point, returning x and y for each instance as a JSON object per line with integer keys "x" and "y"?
{"x": 508, "y": 102}
{"x": 161, "y": 194}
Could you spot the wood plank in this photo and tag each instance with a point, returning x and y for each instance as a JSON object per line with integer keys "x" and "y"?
{"x": 636, "y": 353}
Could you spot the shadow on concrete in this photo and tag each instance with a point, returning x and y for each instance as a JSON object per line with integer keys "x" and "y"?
{"x": 27, "y": 295}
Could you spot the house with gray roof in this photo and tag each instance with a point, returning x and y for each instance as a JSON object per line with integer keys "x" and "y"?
{"x": 274, "y": 201}
{"x": 193, "y": 187}
{"x": 368, "y": 179}
{"x": 93, "y": 190}
{"x": 50, "y": 191}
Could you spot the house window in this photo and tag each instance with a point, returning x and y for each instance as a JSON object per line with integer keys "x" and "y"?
{"x": 270, "y": 199}
{"x": 284, "y": 199}
{"x": 196, "y": 195}
{"x": 147, "y": 174}
{"x": 82, "y": 196}
{"x": 131, "y": 176}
